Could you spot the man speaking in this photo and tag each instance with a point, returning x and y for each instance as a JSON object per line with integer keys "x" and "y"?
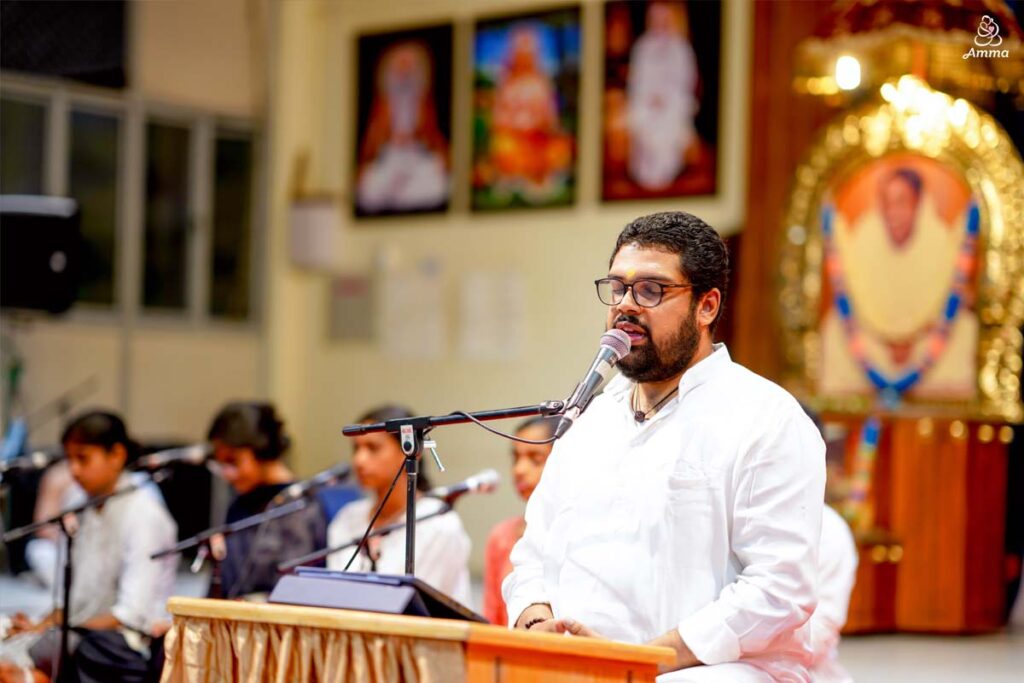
{"x": 683, "y": 507}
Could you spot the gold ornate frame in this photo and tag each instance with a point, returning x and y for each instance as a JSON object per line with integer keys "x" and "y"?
{"x": 908, "y": 116}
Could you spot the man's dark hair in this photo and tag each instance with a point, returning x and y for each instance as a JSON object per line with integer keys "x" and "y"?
{"x": 703, "y": 256}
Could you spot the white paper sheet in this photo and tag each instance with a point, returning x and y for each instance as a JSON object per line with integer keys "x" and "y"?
{"x": 492, "y": 320}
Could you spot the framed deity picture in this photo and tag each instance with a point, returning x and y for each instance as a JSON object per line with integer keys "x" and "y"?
{"x": 899, "y": 286}
{"x": 661, "y": 99}
{"x": 525, "y": 99}
{"x": 403, "y": 137}
{"x": 899, "y": 281}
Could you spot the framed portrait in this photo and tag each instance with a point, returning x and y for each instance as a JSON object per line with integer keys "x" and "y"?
{"x": 898, "y": 285}
{"x": 403, "y": 137}
{"x": 525, "y": 100}
{"x": 661, "y": 98}
{"x": 899, "y": 293}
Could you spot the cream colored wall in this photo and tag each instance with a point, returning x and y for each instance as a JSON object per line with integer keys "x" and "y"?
{"x": 321, "y": 384}
{"x": 167, "y": 382}
{"x": 58, "y": 358}
{"x": 180, "y": 378}
{"x": 209, "y": 55}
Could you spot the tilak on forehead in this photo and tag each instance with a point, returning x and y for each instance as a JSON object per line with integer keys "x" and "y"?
{"x": 631, "y": 272}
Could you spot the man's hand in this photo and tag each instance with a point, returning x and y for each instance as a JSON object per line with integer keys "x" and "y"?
{"x": 552, "y": 625}
{"x": 533, "y": 612}
{"x": 684, "y": 657}
{"x": 575, "y": 628}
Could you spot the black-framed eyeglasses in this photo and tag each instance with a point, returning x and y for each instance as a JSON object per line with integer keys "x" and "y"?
{"x": 647, "y": 293}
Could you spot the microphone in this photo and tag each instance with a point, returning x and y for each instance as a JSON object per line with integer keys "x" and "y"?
{"x": 196, "y": 454}
{"x": 36, "y": 460}
{"x": 615, "y": 345}
{"x": 303, "y": 488}
{"x": 481, "y": 482}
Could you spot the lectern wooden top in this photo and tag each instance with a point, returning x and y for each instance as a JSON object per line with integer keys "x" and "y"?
{"x": 417, "y": 627}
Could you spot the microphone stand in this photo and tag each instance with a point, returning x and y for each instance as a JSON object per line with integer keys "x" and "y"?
{"x": 412, "y": 432}
{"x": 232, "y": 528}
{"x": 69, "y": 536}
{"x": 383, "y": 531}
{"x": 273, "y": 511}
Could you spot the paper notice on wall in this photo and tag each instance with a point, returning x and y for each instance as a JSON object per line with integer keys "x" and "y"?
{"x": 411, "y": 312}
{"x": 492, "y": 320}
{"x": 351, "y": 314}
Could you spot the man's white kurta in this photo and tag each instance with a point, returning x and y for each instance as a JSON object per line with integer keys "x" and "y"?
{"x": 705, "y": 518}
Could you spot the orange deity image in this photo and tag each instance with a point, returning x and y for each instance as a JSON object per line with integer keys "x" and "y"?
{"x": 402, "y": 163}
{"x": 524, "y": 113}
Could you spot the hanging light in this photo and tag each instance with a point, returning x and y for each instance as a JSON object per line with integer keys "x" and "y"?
{"x": 847, "y": 72}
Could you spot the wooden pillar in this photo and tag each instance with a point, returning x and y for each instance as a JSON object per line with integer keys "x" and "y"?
{"x": 782, "y": 127}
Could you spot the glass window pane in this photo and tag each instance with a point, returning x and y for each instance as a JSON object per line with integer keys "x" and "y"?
{"x": 22, "y": 129}
{"x": 232, "y": 228}
{"x": 93, "y": 182}
{"x": 167, "y": 216}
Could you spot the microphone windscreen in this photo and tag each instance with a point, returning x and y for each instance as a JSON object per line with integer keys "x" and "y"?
{"x": 487, "y": 481}
{"x": 617, "y": 341}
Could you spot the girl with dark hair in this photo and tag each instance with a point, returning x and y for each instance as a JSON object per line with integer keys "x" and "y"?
{"x": 442, "y": 546}
{"x": 118, "y": 594}
{"x": 527, "y": 465}
{"x": 249, "y": 442}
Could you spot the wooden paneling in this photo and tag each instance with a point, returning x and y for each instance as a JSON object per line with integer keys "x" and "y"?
{"x": 934, "y": 561}
{"x": 873, "y": 603}
{"x": 488, "y": 663}
{"x": 987, "y": 471}
{"x": 929, "y": 497}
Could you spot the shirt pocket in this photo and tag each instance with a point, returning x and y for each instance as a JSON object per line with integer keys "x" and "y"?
{"x": 689, "y": 516}
{"x": 688, "y": 490}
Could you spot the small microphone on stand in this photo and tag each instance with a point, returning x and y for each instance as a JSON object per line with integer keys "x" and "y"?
{"x": 482, "y": 482}
{"x": 317, "y": 481}
{"x": 36, "y": 460}
{"x": 196, "y": 454}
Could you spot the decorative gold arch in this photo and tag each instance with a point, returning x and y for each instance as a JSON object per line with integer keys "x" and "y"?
{"x": 909, "y": 116}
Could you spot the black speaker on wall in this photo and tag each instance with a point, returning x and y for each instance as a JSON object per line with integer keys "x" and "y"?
{"x": 40, "y": 249}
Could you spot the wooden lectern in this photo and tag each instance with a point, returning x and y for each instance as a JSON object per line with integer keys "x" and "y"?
{"x": 220, "y": 640}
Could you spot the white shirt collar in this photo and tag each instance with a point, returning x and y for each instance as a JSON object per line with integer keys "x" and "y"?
{"x": 621, "y": 387}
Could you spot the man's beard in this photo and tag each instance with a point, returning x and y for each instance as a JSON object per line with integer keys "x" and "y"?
{"x": 657, "y": 363}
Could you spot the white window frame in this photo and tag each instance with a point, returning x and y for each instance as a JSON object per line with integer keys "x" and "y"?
{"x": 134, "y": 112}
{"x": 224, "y": 127}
